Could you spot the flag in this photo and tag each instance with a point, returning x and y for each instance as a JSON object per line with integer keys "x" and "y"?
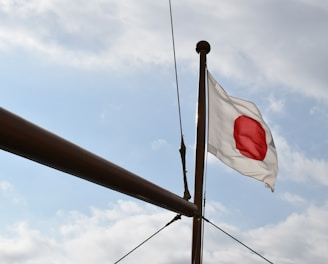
{"x": 239, "y": 137}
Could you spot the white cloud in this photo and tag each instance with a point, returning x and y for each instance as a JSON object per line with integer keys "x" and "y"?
{"x": 319, "y": 111}
{"x": 275, "y": 44}
{"x": 27, "y": 246}
{"x": 214, "y": 207}
{"x": 292, "y": 198}
{"x": 5, "y": 186}
{"x": 83, "y": 33}
{"x": 8, "y": 191}
{"x": 301, "y": 238}
{"x": 294, "y": 165}
{"x": 276, "y": 105}
{"x": 158, "y": 144}
{"x": 104, "y": 236}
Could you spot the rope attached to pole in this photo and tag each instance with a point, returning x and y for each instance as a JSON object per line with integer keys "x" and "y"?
{"x": 177, "y": 217}
{"x": 237, "y": 240}
{"x": 182, "y": 149}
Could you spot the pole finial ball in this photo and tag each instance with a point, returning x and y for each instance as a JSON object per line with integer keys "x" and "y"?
{"x": 203, "y": 45}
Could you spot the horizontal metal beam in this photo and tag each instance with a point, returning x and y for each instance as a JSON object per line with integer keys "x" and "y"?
{"x": 25, "y": 139}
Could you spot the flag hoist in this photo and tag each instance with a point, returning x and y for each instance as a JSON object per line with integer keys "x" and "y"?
{"x": 237, "y": 135}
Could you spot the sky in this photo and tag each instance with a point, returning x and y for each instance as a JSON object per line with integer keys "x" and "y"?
{"x": 101, "y": 75}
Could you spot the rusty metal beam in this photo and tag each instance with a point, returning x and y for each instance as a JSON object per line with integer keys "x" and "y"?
{"x": 25, "y": 139}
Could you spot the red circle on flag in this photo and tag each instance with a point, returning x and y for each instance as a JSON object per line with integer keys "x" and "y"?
{"x": 250, "y": 138}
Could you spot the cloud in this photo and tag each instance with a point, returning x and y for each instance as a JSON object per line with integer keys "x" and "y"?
{"x": 292, "y": 198}
{"x": 299, "y": 239}
{"x": 215, "y": 207}
{"x": 257, "y": 43}
{"x": 296, "y": 166}
{"x": 265, "y": 42}
{"x": 105, "y": 235}
{"x": 5, "y": 186}
{"x": 276, "y": 105}
{"x": 8, "y": 191}
{"x": 27, "y": 245}
{"x": 158, "y": 144}
{"x": 83, "y": 34}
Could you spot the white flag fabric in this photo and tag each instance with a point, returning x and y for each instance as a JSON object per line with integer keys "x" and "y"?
{"x": 239, "y": 137}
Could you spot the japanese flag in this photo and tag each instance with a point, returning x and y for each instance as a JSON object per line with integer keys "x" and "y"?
{"x": 239, "y": 137}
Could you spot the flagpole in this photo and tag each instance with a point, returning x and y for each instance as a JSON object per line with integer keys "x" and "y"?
{"x": 202, "y": 48}
{"x": 25, "y": 139}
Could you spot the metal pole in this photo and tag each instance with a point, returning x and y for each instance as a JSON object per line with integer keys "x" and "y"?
{"x": 25, "y": 139}
{"x": 202, "y": 48}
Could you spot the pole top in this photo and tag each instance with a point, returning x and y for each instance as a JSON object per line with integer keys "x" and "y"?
{"x": 203, "y": 45}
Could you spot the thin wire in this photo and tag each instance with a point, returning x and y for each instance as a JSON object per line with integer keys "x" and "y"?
{"x": 175, "y": 67}
{"x": 182, "y": 150}
{"x": 225, "y": 232}
{"x": 177, "y": 217}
